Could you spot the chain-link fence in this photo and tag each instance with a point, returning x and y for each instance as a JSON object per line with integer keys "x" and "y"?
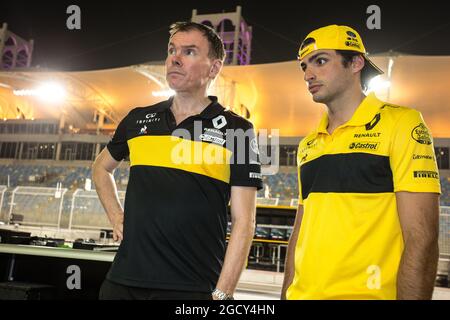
{"x": 86, "y": 211}
{"x": 44, "y": 206}
{"x": 444, "y": 232}
{"x": 2, "y": 201}
{"x": 36, "y": 206}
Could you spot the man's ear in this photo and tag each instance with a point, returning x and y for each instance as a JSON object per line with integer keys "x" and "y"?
{"x": 216, "y": 66}
{"x": 358, "y": 63}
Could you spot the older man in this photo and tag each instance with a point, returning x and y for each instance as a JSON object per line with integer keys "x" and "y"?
{"x": 173, "y": 226}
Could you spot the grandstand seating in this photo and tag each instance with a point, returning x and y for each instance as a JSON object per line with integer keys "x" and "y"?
{"x": 282, "y": 185}
{"x": 49, "y": 176}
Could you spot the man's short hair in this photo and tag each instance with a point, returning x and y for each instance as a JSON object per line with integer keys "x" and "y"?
{"x": 366, "y": 73}
{"x": 216, "y": 47}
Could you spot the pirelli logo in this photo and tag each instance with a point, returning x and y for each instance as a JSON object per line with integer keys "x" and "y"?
{"x": 426, "y": 174}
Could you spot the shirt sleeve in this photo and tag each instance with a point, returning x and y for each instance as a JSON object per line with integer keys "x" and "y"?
{"x": 412, "y": 159}
{"x": 118, "y": 146}
{"x": 245, "y": 169}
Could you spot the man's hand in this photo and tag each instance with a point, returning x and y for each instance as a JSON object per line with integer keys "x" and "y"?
{"x": 118, "y": 227}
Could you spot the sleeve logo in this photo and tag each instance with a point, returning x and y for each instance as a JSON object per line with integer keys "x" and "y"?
{"x": 255, "y": 175}
{"x": 426, "y": 174}
{"x": 421, "y": 134}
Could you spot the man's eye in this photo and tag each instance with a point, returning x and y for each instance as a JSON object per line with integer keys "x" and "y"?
{"x": 190, "y": 52}
{"x": 171, "y": 51}
{"x": 321, "y": 61}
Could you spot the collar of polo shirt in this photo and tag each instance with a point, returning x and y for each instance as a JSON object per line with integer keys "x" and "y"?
{"x": 366, "y": 111}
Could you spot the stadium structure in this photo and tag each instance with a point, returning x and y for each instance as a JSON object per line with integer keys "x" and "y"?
{"x": 53, "y": 124}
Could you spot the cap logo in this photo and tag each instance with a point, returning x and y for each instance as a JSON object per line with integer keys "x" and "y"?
{"x": 307, "y": 42}
{"x": 352, "y": 44}
{"x": 305, "y": 47}
{"x": 352, "y": 40}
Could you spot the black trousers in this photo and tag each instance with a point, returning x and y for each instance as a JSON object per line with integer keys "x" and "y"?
{"x": 114, "y": 291}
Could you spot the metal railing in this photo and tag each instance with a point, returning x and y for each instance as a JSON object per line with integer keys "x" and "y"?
{"x": 86, "y": 211}
{"x": 36, "y": 206}
{"x": 41, "y": 206}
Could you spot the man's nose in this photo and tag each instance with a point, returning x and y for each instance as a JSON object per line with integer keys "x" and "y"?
{"x": 176, "y": 60}
{"x": 309, "y": 75}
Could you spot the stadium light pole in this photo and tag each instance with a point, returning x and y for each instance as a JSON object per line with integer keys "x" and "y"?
{"x": 389, "y": 75}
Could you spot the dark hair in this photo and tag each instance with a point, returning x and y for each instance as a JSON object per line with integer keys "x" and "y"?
{"x": 216, "y": 47}
{"x": 366, "y": 73}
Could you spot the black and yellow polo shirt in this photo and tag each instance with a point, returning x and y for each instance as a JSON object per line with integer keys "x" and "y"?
{"x": 350, "y": 241}
{"x": 178, "y": 192}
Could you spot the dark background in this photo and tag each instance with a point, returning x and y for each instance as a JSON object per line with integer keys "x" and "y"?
{"x": 115, "y": 34}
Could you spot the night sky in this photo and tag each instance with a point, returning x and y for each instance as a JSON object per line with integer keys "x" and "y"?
{"x": 115, "y": 34}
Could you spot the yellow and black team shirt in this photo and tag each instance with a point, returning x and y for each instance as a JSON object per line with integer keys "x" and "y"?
{"x": 177, "y": 195}
{"x": 350, "y": 241}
